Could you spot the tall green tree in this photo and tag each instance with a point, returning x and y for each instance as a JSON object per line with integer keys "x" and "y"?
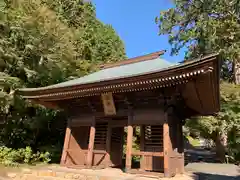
{"x": 44, "y": 42}
{"x": 96, "y": 42}
{"x": 205, "y": 26}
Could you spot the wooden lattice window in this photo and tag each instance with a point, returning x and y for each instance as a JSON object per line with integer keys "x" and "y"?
{"x": 101, "y": 133}
{"x": 153, "y": 138}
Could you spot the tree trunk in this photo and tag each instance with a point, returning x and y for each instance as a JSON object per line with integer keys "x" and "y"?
{"x": 236, "y": 71}
{"x": 220, "y": 148}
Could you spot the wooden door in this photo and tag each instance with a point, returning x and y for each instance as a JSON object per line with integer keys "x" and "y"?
{"x": 99, "y": 152}
{"x": 78, "y": 146}
{"x": 153, "y": 142}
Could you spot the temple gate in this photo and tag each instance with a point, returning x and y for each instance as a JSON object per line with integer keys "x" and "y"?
{"x": 145, "y": 92}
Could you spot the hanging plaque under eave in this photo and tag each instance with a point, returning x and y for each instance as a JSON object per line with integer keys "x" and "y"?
{"x": 108, "y": 104}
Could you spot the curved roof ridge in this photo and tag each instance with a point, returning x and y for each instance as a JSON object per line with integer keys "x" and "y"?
{"x": 137, "y": 59}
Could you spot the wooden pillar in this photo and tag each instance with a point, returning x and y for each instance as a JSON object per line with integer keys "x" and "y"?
{"x": 166, "y": 143}
{"x": 142, "y": 142}
{"x": 108, "y": 144}
{"x": 181, "y": 147}
{"x": 91, "y": 144}
{"x": 129, "y": 141}
{"x": 66, "y": 144}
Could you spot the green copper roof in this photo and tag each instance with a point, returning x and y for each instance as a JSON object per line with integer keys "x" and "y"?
{"x": 123, "y": 71}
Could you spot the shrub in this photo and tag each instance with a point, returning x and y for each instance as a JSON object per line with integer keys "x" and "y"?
{"x": 13, "y": 157}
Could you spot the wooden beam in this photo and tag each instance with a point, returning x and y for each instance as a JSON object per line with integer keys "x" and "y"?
{"x": 108, "y": 144}
{"x": 66, "y": 143}
{"x": 121, "y": 123}
{"x": 48, "y": 104}
{"x": 91, "y": 143}
{"x": 139, "y": 153}
{"x": 166, "y": 142}
{"x": 129, "y": 141}
{"x": 86, "y": 151}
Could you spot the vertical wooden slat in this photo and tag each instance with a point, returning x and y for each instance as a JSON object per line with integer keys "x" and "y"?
{"x": 142, "y": 142}
{"x": 66, "y": 143}
{"x": 166, "y": 142}
{"x": 121, "y": 144}
{"x": 129, "y": 142}
{"x": 91, "y": 143}
{"x": 108, "y": 144}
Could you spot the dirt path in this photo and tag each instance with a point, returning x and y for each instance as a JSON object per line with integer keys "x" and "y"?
{"x": 205, "y": 171}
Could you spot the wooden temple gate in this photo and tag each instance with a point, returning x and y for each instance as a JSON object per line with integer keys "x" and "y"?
{"x": 157, "y": 102}
{"x": 98, "y": 141}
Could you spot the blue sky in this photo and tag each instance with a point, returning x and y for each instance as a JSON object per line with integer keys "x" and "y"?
{"x": 134, "y": 21}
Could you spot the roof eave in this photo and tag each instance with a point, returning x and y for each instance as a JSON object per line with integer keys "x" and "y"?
{"x": 27, "y": 93}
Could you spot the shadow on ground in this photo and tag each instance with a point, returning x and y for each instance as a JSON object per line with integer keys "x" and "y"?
{"x": 204, "y": 164}
{"x": 206, "y": 176}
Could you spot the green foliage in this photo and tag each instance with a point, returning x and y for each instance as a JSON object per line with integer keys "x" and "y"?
{"x": 45, "y": 42}
{"x": 136, "y": 142}
{"x": 230, "y": 98}
{"x": 204, "y": 26}
{"x": 12, "y": 157}
{"x": 226, "y": 123}
{"x": 95, "y": 41}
